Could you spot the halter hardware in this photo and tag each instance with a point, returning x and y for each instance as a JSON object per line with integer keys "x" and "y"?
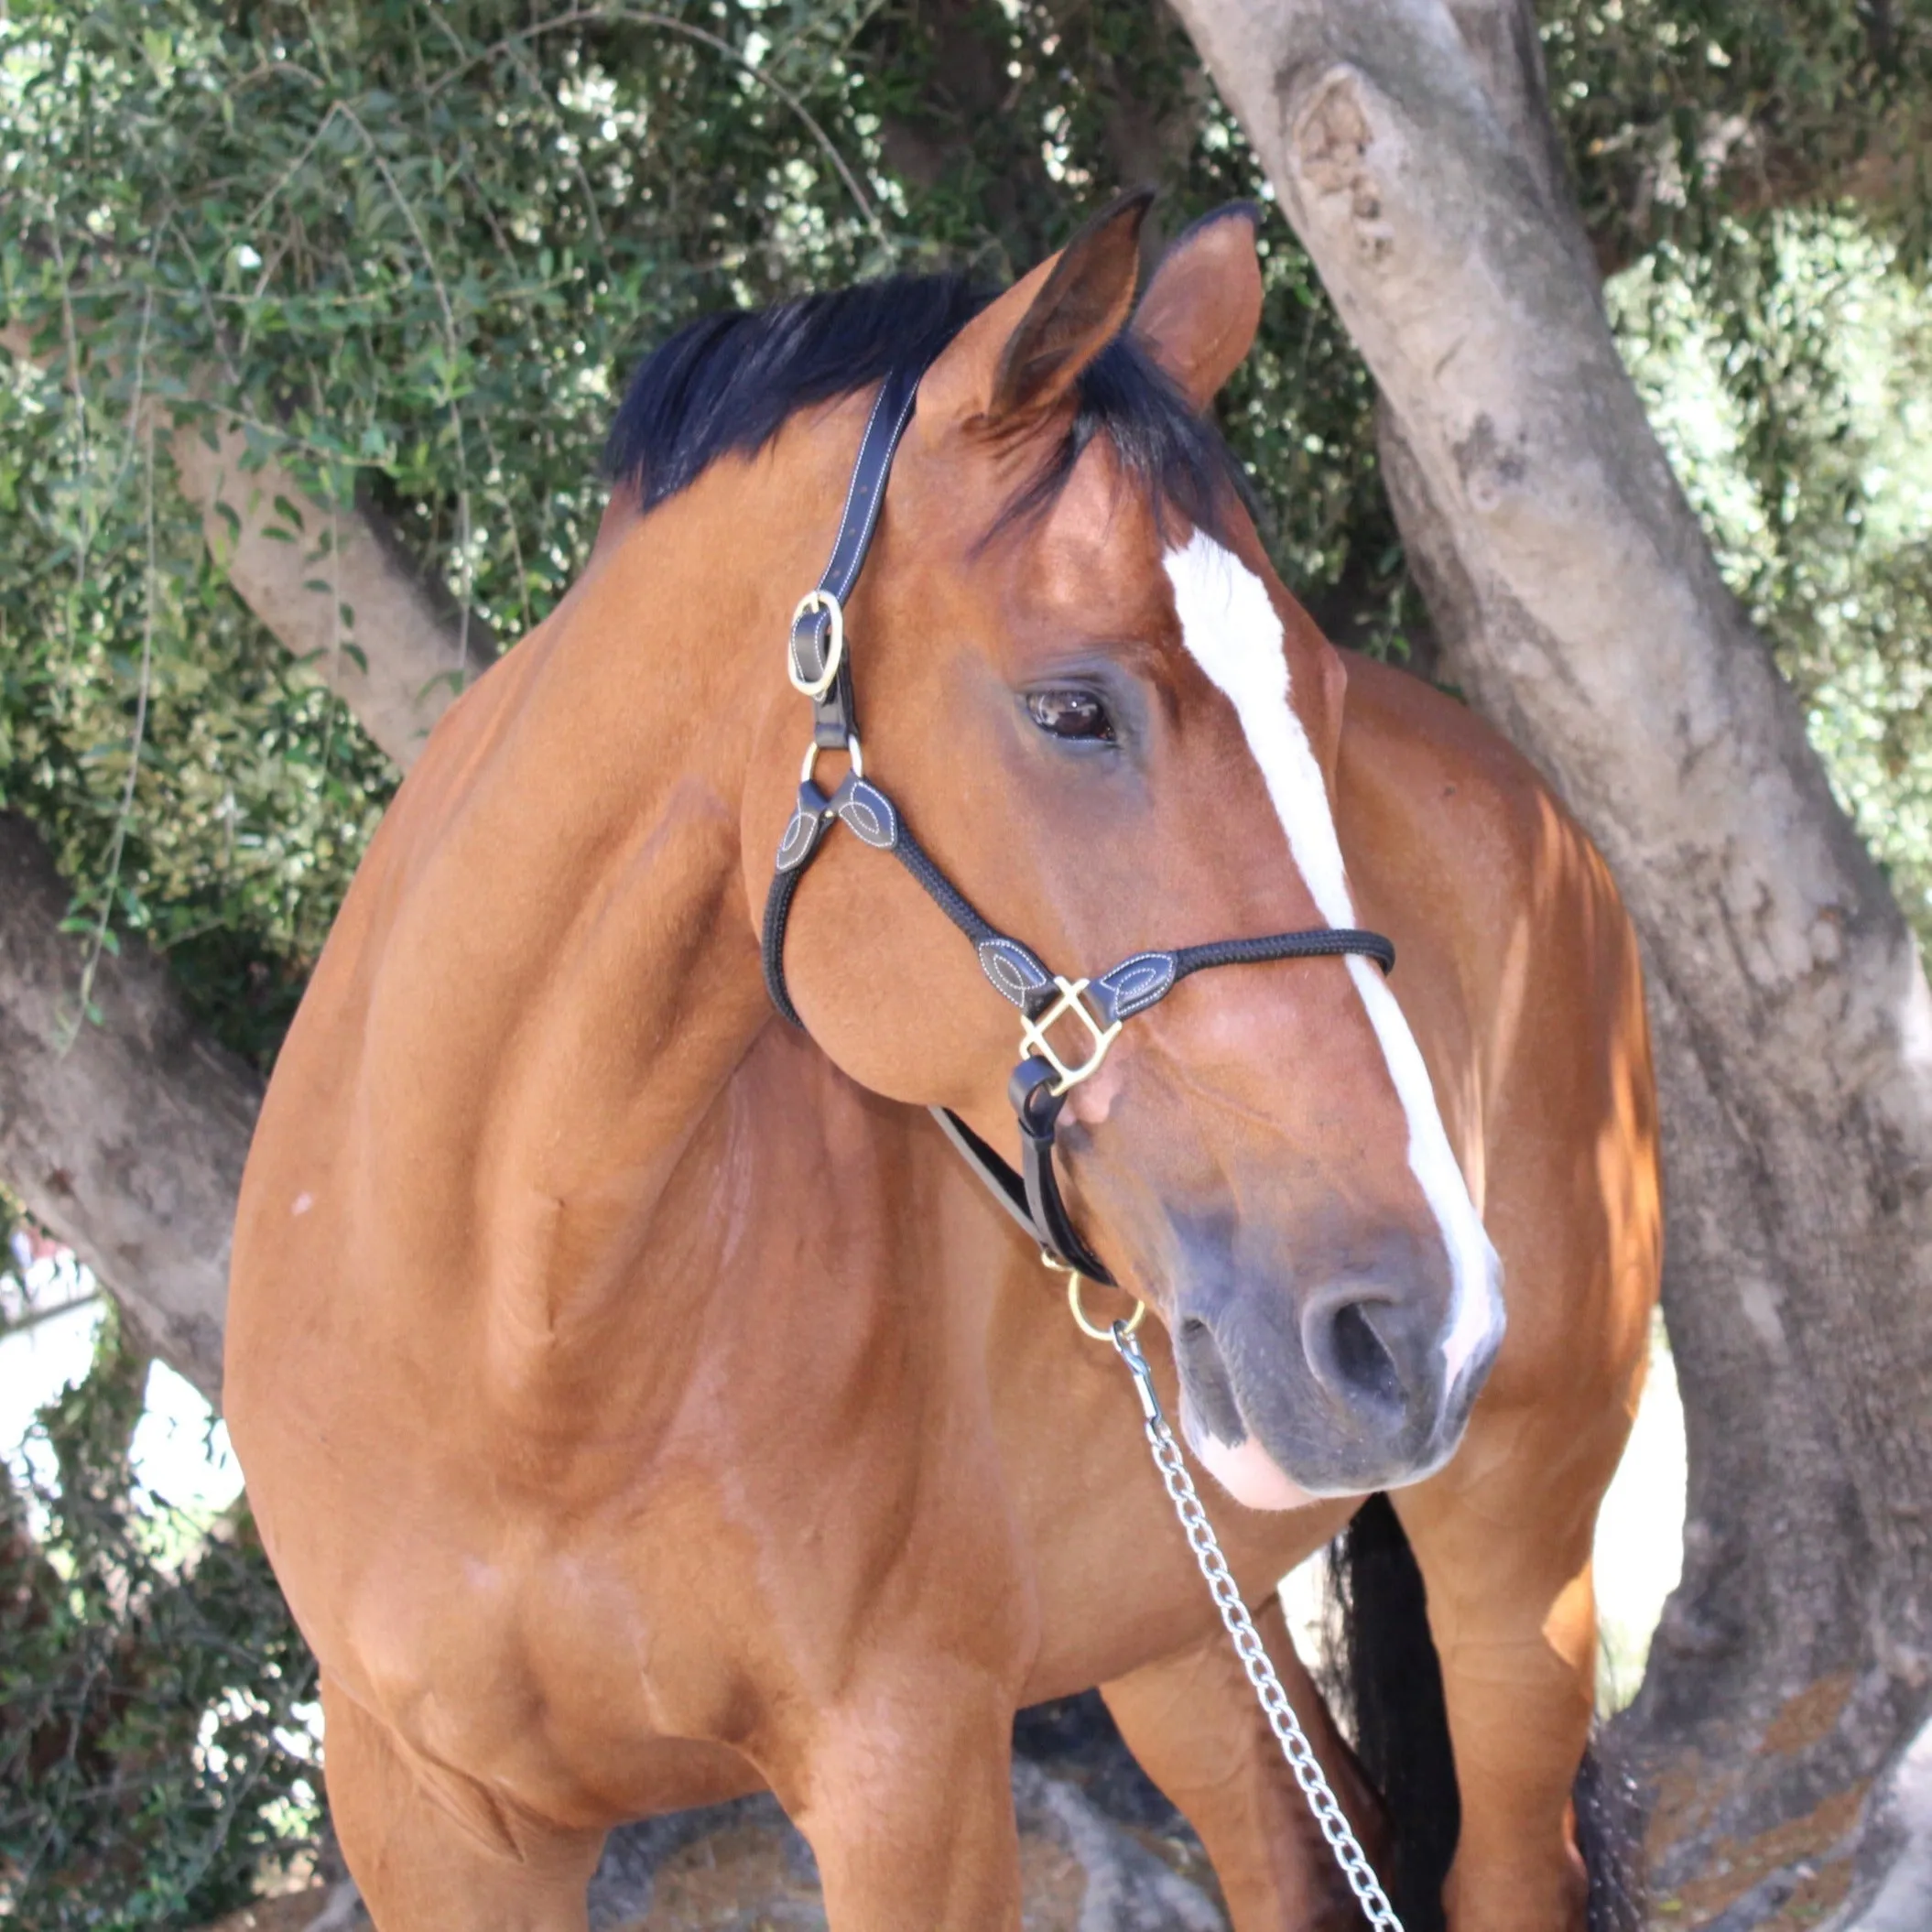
{"x": 814, "y": 603}
{"x": 1034, "y": 1040}
{"x": 1076, "y": 1285}
{"x": 1043, "y": 1079}
{"x": 854, "y": 755}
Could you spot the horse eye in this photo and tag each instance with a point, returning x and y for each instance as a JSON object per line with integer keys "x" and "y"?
{"x": 1071, "y": 712}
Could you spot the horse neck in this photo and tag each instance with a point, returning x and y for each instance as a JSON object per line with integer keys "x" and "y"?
{"x": 573, "y": 963}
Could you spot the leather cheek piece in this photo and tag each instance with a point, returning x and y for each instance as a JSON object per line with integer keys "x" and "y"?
{"x": 869, "y": 812}
{"x": 810, "y": 818}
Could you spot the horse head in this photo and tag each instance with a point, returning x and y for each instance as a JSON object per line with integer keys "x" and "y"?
{"x": 1085, "y": 686}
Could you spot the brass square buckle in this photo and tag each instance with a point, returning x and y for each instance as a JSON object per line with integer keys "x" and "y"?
{"x": 1034, "y": 1040}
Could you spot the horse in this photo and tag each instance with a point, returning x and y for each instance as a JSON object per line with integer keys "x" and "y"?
{"x": 640, "y": 1402}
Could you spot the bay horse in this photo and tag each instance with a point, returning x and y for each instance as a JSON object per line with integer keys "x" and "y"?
{"x": 640, "y": 1403}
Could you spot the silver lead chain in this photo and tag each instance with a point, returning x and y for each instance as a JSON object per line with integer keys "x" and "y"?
{"x": 1249, "y": 1648}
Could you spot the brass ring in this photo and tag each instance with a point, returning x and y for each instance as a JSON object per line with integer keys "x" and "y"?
{"x": 815, "y": 687}
{"x": 855, "y": 756}
{"x": 1074, "y": 1285}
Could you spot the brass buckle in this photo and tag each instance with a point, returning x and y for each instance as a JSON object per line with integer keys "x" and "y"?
{"x": 1034, "y": 1040}
{"x": 815, "y": 687}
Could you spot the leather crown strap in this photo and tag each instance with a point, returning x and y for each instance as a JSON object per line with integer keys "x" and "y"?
{"x": 821, "y": 669}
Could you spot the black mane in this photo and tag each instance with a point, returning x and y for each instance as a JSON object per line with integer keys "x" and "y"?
{"x": 727, "y": 382}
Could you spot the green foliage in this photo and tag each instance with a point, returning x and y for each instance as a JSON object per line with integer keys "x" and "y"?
{"x": 1790, "y": 377}
{"x": 409, "y": 246}
{"x": 1681, "y": 114}
{"x": 153, "y": 1748}
{"x": 414, "y": 250}
{"x": 199, "y": 789}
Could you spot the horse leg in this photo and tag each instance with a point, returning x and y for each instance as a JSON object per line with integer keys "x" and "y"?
{"x": 1505, "y": 1561}
{"x": 425, "y": 1859}
{"x": 907, "y": 1805}
{"x": 1193, "y": 1723}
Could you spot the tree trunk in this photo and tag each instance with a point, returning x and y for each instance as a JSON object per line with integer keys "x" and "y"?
{"x": 125, "y": 1139}
{"x": 345, "y": 597}
{"x": 1579, "y": 606}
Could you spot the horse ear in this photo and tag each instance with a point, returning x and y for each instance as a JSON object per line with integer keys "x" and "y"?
{"x": 1020, "y": 355}
{"x": 1199, "y": 315}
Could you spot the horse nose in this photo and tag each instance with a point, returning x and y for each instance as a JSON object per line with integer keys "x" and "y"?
{"x": 1342, "y": 1377}
{"x": 1376, "y": 1357}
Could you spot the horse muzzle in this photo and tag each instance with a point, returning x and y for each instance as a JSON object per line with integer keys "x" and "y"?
{"x": 1340, "y": 1388}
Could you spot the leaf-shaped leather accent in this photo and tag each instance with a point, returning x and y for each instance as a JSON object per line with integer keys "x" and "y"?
{"x": 1136, "y": 984}
{"x": 869, "y": 812}
{"x": 1014, "y": 972}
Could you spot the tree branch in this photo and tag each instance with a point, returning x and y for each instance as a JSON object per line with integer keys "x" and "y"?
{"x": 125, "y": 1139}
{"x": 418, "y": 649}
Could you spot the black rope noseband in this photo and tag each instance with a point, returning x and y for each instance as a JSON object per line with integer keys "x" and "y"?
{"x": 821, "y": 669}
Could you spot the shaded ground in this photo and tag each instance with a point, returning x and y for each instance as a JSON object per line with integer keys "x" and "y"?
{"x": 1101, "y": 1851}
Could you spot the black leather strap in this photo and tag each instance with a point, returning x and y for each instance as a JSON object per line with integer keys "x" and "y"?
{"x": 1033, "y": 1199}
{"x": 1002, "y": 1182}
{"x": 835, "y": 716}
{"x": 1037, "y": 1107}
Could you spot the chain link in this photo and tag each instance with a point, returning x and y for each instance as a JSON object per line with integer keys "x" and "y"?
{"x": 1249, "y": 1648}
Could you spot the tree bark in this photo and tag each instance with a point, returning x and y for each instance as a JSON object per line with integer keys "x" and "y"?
{"x": 125, "y": 1139}
{"x": 406, "y": 648}
{"x": 1579, "y": 607}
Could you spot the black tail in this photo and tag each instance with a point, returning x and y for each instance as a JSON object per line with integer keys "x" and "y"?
{"x": 1389, "y": 1688}
{"x": 1387, "y": 1685}
{"x": 1610, "y": 1835}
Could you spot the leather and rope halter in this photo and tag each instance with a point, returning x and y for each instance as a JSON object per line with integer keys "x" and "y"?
{"x": 820, "y": 662}
{"x": 821, "y": 666}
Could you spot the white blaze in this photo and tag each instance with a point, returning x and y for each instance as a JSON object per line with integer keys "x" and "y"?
{"x": 1231, "y": 629}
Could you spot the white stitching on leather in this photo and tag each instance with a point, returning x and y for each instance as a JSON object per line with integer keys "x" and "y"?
{"x": 800, "y": 829}
{"x": 876, "y": 809}
{"x": 1135, "y": 993}
{"x": 1002, "y": 956}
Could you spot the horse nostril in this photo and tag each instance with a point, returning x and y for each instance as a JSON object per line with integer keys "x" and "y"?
{"x": 1348, "y": 1354}
{"x": 1204, "y": 1373}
